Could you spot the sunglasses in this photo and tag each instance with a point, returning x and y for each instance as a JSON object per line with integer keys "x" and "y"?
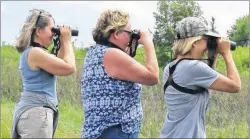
{"x": 129, "y": 32}
{"x": 38, "y": 18}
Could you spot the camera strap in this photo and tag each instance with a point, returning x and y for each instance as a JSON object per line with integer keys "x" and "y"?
{"x": 35, "y": 44}
{"x": 133, "y": 44}
{"x": 171, "y": 82}
{"x": 109, "y": 44}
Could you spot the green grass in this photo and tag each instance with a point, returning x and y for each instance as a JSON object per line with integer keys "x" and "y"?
{"x": 70, "y": 119}
{"x": 69, "y": 125}
{"x": 226, "y": 116}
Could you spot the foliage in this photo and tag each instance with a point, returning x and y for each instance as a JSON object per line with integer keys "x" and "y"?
{"x": 223, "y": 106}
{"x": 239, "y": 32}
{"x": 213, "y": 27}
{"x": 167, "y": 15}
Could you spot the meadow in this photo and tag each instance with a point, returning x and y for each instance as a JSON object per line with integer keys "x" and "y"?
{"x": 226, "y": 117}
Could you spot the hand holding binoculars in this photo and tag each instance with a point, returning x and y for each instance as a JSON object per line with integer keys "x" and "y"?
{"x": 212, "y": 43}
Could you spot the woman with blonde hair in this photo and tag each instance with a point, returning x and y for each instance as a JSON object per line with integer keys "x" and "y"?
{"x": 111, "y": 79}
{"x": 187, "y": 79}
{"x": 36, "y": 113}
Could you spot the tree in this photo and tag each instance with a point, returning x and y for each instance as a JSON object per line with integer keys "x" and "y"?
{"x": 167, "y": 15}
{"x": 212, "y": 23}
{"x": 239, "y": 32}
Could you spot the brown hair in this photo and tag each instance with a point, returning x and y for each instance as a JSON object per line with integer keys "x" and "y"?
{"x": 23, "y": 40}
{"x": 109, "y": 21}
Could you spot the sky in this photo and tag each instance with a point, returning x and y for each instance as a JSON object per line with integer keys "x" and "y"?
{"x": 83, "y": 15}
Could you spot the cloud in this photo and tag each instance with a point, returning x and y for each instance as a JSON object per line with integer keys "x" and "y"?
{"x": 225, "y": 13}
{"x": 84, "y": 14}
{"x": 3, "y": 7}
{"x": 141, "y": 12}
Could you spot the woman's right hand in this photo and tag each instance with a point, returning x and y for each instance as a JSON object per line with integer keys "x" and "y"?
{"x": 65, "y": 33}
{"x": 223, "y": 46}
{"x": 145, "y": 37}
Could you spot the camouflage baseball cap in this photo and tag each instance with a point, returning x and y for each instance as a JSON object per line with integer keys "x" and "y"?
{"x": 193, "y": 26}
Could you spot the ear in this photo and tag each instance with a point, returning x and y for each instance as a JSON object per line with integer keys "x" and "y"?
{"x": 116, "y": 34}
{"x": 38, "y": 31}
{"x": 194, "y": 44}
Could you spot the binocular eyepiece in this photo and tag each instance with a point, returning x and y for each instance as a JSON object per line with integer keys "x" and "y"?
{"x": 74, "y": 32}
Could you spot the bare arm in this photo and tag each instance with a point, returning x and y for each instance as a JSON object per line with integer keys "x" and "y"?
{"x": 69, "y": 56}
{"x": 214, "y": 67}
{"x": 38, "y": 58}
{"x": 61, "y": 52}
{"x": 121, "y": 66}
{"x": 232, "y": 82}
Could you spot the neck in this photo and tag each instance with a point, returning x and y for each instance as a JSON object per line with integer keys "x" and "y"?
{"x": 37, "y": 43}
{"x": 117, "y": 44}
{"x": 184, "y": 56}
{"x": 40, "y": 42}
{"x": 193, "y": 55}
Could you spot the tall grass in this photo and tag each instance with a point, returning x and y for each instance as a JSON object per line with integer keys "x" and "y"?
{"x": 226, "y": 116}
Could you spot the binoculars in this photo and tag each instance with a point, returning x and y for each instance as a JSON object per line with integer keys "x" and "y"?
{"x": 133, "y": 43}
{"x": 212, "y": 43}
{"x": 233, "y": 45}
{"x": 56, "y": 40}
{"x": 74, "y": 32}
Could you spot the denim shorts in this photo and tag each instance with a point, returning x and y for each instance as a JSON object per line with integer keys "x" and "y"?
{"x": 115, "y": 132}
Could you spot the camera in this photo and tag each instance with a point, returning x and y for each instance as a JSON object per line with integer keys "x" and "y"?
{"x": 74, "y": 32}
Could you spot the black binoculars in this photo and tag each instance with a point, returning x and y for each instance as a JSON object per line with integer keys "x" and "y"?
{"x": 233, "y": 45}
{"x": 135, "y": 35}
{"x": 133, "y": 43}
{"x": 74, "y": 32}
{"x": 212, "y": 44}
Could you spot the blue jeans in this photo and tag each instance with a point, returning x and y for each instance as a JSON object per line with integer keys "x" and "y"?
{"x": 115, "y": 132}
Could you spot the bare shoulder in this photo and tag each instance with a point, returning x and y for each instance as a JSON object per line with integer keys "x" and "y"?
{"x": 38, "y": 53}
{"x": 115, "y": 52}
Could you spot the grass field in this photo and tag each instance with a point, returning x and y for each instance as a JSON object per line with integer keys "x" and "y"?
{"x": 226, "y": 116}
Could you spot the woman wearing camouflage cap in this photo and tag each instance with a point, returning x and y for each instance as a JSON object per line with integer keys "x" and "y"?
{"x": 187, "y": 79}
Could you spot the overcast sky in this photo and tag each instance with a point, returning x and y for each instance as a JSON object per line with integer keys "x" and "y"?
{"x": 84, "y": 14}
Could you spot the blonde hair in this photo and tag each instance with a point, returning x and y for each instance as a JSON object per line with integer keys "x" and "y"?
{"x": 108, "y": 22}
{"x": 26, "y": 34}
{"x": 183, "y": 46}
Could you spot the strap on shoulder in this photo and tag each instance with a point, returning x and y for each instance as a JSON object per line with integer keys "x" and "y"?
{"x": 170, "y": 80}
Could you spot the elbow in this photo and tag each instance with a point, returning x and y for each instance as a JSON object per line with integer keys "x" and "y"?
{"x": 65, "y": 71}
{"x": 236, "y": 88}
{"x": 153, "y": 80}
{"x": 74, "y": 69}
{"x": 71, "y": 69}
